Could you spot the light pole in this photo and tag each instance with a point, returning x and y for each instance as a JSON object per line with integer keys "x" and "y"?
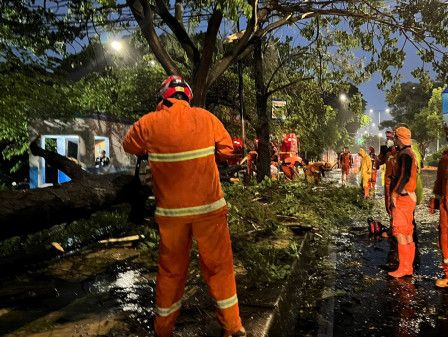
{"x": 379, "y": 122}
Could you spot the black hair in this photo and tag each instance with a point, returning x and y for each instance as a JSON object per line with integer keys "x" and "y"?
{"x": 181, "y": 96}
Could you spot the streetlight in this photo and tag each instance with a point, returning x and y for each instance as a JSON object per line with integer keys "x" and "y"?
{"x": 379, "y": 141}
{"x": 387, "y": 110}
{"x": 116, "y": 45}
{"x": 343, "y": 97}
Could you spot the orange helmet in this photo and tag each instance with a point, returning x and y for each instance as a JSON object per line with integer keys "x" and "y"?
{"x": 173, "y": 85}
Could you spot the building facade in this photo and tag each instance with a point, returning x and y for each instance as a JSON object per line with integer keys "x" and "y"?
{"x": 82, "y": 139}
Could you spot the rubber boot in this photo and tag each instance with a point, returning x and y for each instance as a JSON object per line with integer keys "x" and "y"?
{"x": 241, "y": 333}
{"x": 443, "y": 283}
{"x": 406, "y": 255}
{"x": 366, "y": 192}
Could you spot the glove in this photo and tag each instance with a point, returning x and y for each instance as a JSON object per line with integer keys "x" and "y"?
{"x": 433, "y": 204}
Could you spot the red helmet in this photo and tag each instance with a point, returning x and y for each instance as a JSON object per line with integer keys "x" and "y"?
{"x": 173, "y": 85}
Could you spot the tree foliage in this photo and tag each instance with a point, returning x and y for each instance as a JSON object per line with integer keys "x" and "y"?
{"x": 419, "y": 110}
{"x": 335, "y": 43}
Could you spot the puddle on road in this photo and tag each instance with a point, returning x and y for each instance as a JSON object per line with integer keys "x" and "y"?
{"x": 99, "y": 293}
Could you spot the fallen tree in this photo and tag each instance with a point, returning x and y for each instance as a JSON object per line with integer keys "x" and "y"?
{"x": 29, "y": 211}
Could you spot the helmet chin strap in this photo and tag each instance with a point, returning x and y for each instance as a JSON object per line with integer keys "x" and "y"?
{"x": 167, "y": 103}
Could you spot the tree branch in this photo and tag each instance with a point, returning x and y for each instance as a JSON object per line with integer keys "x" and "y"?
{"x": 224, "y": 63}
{"x": 209, "y": 47}
{"x": 69, "y": 167}
{"x": 179, "y": 31}
{"x": 143, "y": 14}
{"x": 269, "y": 93}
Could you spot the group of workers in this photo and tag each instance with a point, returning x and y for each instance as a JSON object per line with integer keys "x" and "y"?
{"x": 190, "y": 204}
{"x": 403, "y": 190}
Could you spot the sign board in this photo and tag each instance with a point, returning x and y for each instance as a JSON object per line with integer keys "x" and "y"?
{"x": 278, "y": 111}
{"x": 445, "y": 105}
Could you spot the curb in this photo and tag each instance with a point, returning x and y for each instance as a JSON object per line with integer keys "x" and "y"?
{"x": 284, "y": 312}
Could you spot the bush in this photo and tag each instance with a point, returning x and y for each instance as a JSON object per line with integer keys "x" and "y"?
{"x": 433, "y": 160}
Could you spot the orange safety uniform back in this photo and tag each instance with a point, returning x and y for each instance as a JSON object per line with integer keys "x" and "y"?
{"x": 411, "y": 185}
{"x": 181, "y": 143}
{"x": 346, "y": 159}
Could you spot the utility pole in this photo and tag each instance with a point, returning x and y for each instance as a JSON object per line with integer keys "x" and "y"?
{"x": 379, "y": 138}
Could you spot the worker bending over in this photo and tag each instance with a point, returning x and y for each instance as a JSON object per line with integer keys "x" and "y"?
{"x": 403, "y": 201}
{"x": 182, "y": 143}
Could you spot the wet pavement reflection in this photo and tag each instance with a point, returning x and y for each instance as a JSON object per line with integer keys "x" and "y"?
{"x": 367, "y": 302}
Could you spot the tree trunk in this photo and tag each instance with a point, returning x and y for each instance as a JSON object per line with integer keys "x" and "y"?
{"x": 28, "y": 211}
{"x": 262, "y": 126}
{"x": 199, "y": 94}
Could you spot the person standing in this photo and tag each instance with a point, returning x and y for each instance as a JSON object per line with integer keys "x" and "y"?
{"x": 440, "y": 201}
{"x": 366, "y": 171}
{"x": 182, "y": 143}
{"x": 387, "y": 157}
{"x": 403, "y": 200}
{"x": 346, "y": 163}
{"x": 372, "y": 180}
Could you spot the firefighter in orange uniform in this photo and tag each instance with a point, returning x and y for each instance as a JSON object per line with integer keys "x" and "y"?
{"x": 346, "y": 162}
{"x": 440, "y": 201}
{"x": 403, "y": 201}
{"x": 289, "y": 166}
{"x": 387, "y": 156}
{"x": 182, "y": 143}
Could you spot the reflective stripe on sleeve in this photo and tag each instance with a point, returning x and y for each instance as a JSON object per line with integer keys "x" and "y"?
{"x": 191, "y": 210}
{"x": 181, "y": 156}
{"x": 168, "y": 311}
{"x": 224, "y": 304}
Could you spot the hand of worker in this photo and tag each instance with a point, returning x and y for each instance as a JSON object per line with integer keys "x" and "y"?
{"x": 394, "y": 199}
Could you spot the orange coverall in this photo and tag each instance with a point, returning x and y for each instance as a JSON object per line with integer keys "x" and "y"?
{"x": 389, "y": 159}
{"x": 182, "y": 143}
{"x": 345, "y": 160}
{"x": 441, "y": 193}
{"x": 290, "y": 168}
{"x": 404, "y": 191}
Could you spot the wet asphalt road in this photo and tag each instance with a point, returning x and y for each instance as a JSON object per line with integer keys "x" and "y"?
{"x": 358, "y": 298}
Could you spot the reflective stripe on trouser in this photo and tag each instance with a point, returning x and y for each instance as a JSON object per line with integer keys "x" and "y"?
{"x": 196, "y": 210}
{"x": 402, "y": 216}
{"x": 215, "y": 261}
{"x": 443, "y": 236}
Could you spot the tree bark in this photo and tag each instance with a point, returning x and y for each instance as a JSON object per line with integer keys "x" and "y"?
{"x": 262, "y": 126}
{"x": 28, "y": 211}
